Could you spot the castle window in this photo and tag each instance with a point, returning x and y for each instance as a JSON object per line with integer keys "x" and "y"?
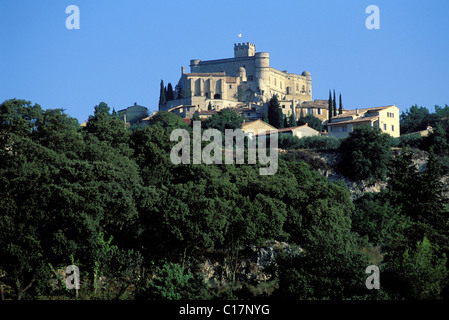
{"x": 319, "y": 111}
{"x": 303, "y": 89}
{"x": 310, "y": 111}
{"x": 392, "y": 128}
{"x": 344, "y": 129}
{"x": 385, "y": 127}
{"x": 230, "y": 86}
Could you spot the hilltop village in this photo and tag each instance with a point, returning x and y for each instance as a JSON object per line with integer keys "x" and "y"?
{"x": 246, "y": 83}
{"x": 353, "y": 188}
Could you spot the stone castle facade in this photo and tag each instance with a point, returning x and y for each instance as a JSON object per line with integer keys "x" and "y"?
{"x": 245, "y": 82}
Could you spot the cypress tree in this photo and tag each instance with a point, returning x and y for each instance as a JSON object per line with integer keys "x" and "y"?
{"x": 162, "y": 99}
{"x": 340, "y": 108}
{"x": 170, "y": 95}
{"x": 293, "y": 122}
{"x": 334, "y": 104}
{"x": 265, "y": 116}
{"x": 330, "y": 106}
{"x": 275, "y": 116}
{"x": 286, "y": 121}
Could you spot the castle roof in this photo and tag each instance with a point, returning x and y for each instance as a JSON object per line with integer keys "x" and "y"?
{"x": 208, "y": 74}
{"x": 318, "y": 103}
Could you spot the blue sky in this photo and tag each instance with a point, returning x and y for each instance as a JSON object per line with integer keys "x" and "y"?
{"x": 124, "y": 48}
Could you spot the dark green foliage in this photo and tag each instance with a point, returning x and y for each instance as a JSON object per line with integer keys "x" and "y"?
{"x": 331, "y": 265}
{"x": 170, "y": 95}
{"x": 378, "y": 219}
{"x": 312, "y": 122}
{"x": 265, "y": 117}
{"x": 275, "y": 116}
{"x": 340, "y": 107}
{"x": 108, "y": 129}
{"x": 289, "y": 142}
{"x": 292, "y": 121}
{"x": 408, "y": 141}
{"x": 166, "y": 120}
{"x": 330, "y": 106}
{"x": 109, "y": 200}
{"x": 162, "y": 95}
{"x": 224, "y": 119}
{"x": 417, "y": 119}
{"x": 334, "y": 105}
{"x": 365, "y": 154}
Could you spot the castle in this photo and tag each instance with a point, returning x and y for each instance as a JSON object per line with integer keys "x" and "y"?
{"x": 245, "y": 82}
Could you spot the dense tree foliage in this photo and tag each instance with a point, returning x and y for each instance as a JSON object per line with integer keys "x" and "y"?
{"x": 312, "y": 122}
{"x": 275, "y": 115}
{"x": 109, "y": 200}
{"x": 366, "y": 154}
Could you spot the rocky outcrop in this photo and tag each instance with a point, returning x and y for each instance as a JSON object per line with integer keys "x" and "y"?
{"x": 255, "y": 264}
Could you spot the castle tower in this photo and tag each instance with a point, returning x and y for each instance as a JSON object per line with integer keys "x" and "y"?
{"x": 244, "y": 50}
{"x": 262, "y": 64}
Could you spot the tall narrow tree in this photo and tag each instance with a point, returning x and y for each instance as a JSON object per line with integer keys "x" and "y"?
{"x": 334, "y": 105}
{"x": 330, "y": 106}
{"x": 275, "y": 116}
{"x": 162, "y": 99}
{"x": 340, "y": 107}
{"x": 293, "y": 122}
{"x": 170, "y": 95}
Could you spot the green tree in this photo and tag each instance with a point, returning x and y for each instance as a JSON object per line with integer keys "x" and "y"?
{"x": 378, "y": 219}
{"x": 224, "y": 119}
{"x": 59, "y": 132}
{"x": 292, "y": 121}
{"x": 340, "y": 107}
{"x": 416, "y": 119}
{"x": 19, "y": 117}
{"x": 169, "y": 93}
{"x": 330, "y": 265}
{"x": 312, "y": 122}
{"x": 427, "y": 274}
{"x": 365, "y": 154}
{"x": 275, "y": 115}
{"x": 166, "y": 119}
{"x": 265, "y": 117}
{"x": 330, "y": 106}
{"x": 162, "y": 95}
{"x": 107, "y": 128}
{"x": 334, "y": 105}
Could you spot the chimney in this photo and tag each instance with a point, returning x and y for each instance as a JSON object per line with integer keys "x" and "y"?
{"x": 357, "y": 111}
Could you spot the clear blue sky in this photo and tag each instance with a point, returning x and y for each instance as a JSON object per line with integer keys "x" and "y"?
{"x": 124, "y": 48}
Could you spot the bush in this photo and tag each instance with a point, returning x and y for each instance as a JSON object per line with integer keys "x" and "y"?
{"x": 289, "y": 142}
{"x": 365, "y": 154}
{"x": 407, "y": 141}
